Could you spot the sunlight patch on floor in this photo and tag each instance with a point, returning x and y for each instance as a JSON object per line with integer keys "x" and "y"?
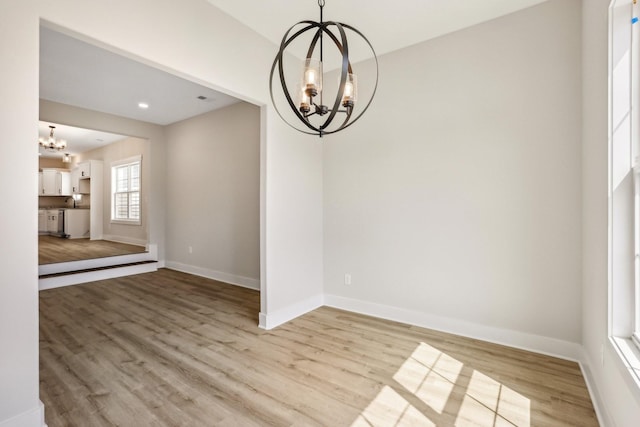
{"x": 434, "y": 388}
{"x": 391, "y": 409}
{"x": 494, "y": 403}
{"x": 430, "y": 375}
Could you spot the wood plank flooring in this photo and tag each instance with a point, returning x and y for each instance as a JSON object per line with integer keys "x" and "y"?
{"x": 53, "y": 249}
{"x": 171, "y": 349}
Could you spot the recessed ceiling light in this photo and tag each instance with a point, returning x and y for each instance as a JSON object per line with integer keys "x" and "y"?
{"x": 143, "y": 105}
{"x": 202, "y": 97}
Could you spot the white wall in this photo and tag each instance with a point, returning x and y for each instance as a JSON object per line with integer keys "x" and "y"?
{"x": 456, "y": 199}
{"x": 294, "y": 216}
{"x": 18, "y": 253}
{"x": 618, "y": 399}
{"x": 213, "y": 182}
{"x": 192, "y": 39}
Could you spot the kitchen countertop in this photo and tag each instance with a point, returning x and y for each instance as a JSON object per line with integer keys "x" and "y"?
{"x": 72, "y": 209}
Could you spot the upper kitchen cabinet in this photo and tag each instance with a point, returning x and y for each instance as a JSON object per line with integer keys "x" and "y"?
{"x": 75, "y": 174}
{"x": 52, "y": 182}
{"x": 63, "y": 183}
{"x": 80, "y": 176}
{"x": 84, "y": 169}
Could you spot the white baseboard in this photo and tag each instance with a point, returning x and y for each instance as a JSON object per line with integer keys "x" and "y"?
{"x": 277, "y": 318}
{"x": 536, "y": 343}
{"x": 124, "y": 239}
{"x": 33, "y": 417}
{"x": 601, "y": 412}
{"x": 245, "y": 282}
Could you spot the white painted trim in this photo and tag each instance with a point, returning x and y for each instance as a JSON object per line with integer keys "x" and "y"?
{"x": 601, "y": 411}
{"x": 43, "y": 423}
{"x": 277, "y": 318}
{"x": 124, "y": 239}
{"x": 530, "y": 342}
{"x": 63, "y": 267}
{"x": 92, "y": 276}
{"x": 627, "y": 361}
{"x": 233, "y": 279}
{"x": 33, "y": 417}
{"x": 262, "y": 320}
{"x": 152, "y": 249}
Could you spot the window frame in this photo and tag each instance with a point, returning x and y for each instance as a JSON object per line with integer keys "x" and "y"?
{"x": 624, "y": 214}
{"x": 128, "y": 162}
{"x": 634, "y": 94}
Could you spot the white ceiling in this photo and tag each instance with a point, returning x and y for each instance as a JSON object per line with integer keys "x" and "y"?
{"x": 80, "y": 74}
{"x": 78, "y": 140}
{"x": 389, "y": 25}
{"x": 77, "y": 73}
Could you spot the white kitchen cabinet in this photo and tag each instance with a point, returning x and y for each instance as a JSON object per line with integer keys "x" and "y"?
{"x": 76, "y": 223}
{"x": 75, "y": 180}
{"x": 52, "y": 220}
{"x": 95, "y": 190}
{"x": 54, "y": 183}
{"x": 80, "y": 182}
{"x": 63, "y": 183}
{"x": 42, "y": 221}
{"x": 84, "y": 169}
{"x": 49, "y": 184}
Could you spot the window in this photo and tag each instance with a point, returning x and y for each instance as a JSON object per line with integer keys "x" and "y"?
{"x": 624, "y": 190}
{"x": 125, "y": 191}
{"x": 634, "y": 95}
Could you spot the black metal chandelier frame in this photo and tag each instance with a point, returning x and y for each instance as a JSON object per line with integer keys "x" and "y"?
{"x": 314, "y": 108}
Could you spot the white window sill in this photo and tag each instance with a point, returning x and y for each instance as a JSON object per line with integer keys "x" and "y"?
{"x": 630, "y": 357}
{"x": 125, "y": 222}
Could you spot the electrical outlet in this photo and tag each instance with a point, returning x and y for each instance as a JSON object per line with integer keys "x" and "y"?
{"x": 190, "y": 249}
{"x": 347, "y": 279}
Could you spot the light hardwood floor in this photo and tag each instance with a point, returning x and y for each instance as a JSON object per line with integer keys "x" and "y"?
{"x": 169, "y": 349}
{"x": 53, "y": 249}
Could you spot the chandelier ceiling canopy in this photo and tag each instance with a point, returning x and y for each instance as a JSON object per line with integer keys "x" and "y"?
{"x": 311, "y": 105}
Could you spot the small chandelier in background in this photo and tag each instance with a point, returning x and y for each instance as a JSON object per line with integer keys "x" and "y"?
{"x": 309, "y": 94}
{"x": 66, "y": 158}
{"x": 52, "y": 144}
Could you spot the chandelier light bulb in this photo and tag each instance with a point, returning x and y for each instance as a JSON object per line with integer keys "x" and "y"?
{"x": 305, "y": 100}
{"x": 349, "y": 96}
{"x": 313, "y": 76}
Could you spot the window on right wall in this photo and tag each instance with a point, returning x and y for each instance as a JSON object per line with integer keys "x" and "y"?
{"x": 126, "y": 191}
{"x": 624, "y": 185}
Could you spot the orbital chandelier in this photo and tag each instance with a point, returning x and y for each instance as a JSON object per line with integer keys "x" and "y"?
{"x": 52, "y": 144}
{"x": 314, "y": 116}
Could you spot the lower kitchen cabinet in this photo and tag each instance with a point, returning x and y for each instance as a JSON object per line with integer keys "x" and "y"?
{"x": 42, "y": 221}
{"x": 76, "y": 223}
{"x": 52, "y": 220}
